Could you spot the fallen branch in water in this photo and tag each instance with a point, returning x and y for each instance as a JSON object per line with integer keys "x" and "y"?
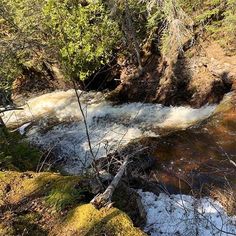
{"x": 104, "y": 199}
{"x": 11, "y": 109}
{"x": 2, "y": 123}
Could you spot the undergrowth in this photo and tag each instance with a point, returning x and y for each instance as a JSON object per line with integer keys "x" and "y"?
{"x": 16, "y": 153}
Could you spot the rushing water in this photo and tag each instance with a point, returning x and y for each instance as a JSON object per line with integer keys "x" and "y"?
{"x": 192, "y": 148}
{"x": 57, "y": 124}
{"x": 199, "y": 159}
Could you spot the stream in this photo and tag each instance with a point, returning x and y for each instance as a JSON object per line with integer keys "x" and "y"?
{"x": 194, "y": 149}
{"x": 57, "y": 124}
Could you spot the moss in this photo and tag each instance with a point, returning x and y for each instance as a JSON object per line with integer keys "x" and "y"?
{"x": 24, "y": 184}
{"x": 27, "y": 225}
{"x": 64, "y": 193}
{"x": 49, "y": 192}
{"x": 17, "y": 154}
{"x": 56, "y": 190}
{"x": 86, "y": 220}
{"x": 52, "y": 204}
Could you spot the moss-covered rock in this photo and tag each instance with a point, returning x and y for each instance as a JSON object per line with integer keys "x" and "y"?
{"x": 52, "y": 204}
{"x": 56, "y": 190}
{"x": 87, "y": 220}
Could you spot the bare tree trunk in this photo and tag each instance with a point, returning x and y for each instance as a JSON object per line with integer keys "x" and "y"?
{"x": 131, "y": 30}
{"x": 104, "y": 199}
{"x": 2, "y": 124}
{"x": 3, "y": 127}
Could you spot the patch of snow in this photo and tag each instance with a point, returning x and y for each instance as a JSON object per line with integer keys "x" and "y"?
{"x": 185, "y": 215}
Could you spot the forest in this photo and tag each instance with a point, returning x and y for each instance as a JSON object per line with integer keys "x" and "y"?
{"x": 117, "y": 117}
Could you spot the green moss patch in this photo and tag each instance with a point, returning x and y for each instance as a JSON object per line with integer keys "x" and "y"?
{"x": 52, "y": 204}
{"x": 17, "y": 154}
{"x": 55, "y": 190}
{"x": 66, "y": 192}
{"x": 86, "y": 220}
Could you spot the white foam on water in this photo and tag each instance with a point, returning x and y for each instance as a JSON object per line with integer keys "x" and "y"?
{"x": 185, "y": 215}
{"x": 60, "y": 104}
{"x": 111, "y": 126}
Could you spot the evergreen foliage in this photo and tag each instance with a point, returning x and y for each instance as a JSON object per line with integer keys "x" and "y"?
{"x": 82, "y": 36}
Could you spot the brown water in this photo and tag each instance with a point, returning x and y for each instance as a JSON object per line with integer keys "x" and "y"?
{"x": 186, "y": 159}
{"x": 199, "y": 158}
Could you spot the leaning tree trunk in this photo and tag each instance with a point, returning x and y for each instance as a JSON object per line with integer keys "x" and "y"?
{"x": 104, "y": 199}
{"x": 130, "y": 31}
{"x": 2, "y": 124}
{"x": 3, "y": 128}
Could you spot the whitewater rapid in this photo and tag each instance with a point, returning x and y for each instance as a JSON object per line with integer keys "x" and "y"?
{"x": 57, "y": 124}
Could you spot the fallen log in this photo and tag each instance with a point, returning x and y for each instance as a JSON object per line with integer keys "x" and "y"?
{"x": 104, "y": 199}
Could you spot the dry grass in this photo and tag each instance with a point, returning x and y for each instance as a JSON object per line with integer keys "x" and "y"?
{"x": 227, "y": 197}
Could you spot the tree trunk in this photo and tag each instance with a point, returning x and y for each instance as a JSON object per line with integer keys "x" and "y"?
{"x": 104, "y": 199}
{"x": 130, "y": 30}
{"x": 3, "y": 128}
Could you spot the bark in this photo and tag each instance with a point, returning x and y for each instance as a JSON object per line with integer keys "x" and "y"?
{"x": 104, "y": 199}
{"x": 130, "y": 30}
{"x": 3, "y": 128}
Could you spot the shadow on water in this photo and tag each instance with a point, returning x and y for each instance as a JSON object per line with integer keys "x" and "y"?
{"x": 194, "y": 160}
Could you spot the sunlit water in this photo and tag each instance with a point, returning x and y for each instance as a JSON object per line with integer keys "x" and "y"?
{"x": 57, "y": 124}
{"x": 187, "y": 160}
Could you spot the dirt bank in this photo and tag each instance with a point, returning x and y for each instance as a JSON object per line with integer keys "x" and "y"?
{"x": 201, "y": 75}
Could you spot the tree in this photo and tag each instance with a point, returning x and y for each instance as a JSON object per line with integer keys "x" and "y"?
{"x": 83, "y": 33}
{"x": 80, "y": 35}
{"x": 23, "y": 38}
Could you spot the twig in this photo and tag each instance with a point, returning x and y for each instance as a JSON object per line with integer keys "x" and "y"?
{"x": 94, "y": 166}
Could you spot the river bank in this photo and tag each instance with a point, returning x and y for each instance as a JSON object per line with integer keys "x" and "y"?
{"x": 187, "y": 150}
